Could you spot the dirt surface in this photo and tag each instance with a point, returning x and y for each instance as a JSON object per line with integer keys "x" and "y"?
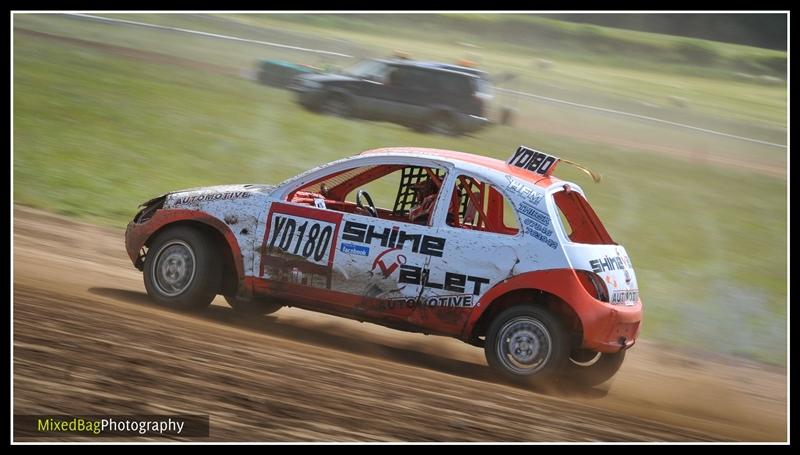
{"x": 87, "y": 340}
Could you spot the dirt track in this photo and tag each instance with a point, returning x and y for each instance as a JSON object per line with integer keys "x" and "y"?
{"x": 87, "y": 340}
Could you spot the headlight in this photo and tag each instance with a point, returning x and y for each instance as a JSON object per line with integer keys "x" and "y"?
{"x": 149, "y": 208}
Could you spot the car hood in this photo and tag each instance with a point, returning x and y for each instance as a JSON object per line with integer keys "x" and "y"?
{"x": 207, "y": 194}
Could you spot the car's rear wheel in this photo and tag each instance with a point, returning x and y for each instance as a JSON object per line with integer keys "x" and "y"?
{"x": 526, "y": 344}
{"x": 254, "y": 306}
{"x": 337, "y": 106}
{"x": 180, "y": 271}
{"x": 590, "y": 368}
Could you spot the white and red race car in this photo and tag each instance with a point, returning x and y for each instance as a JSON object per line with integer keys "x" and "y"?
{"x": 498, "y": 254}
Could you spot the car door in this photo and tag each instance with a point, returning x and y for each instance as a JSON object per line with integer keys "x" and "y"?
{"x": 369, "y": 91}
{"x": 396, "y": 97}
{"x": 382, "y": 263}
{"x": 324, "y": 256}
{"x": 410, "y": 92}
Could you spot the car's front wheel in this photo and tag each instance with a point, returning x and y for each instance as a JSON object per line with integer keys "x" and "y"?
{"x": 254, "y": 306}
{"x": 527, "y": 344}
{"x": 337, "y": 106}
{"x": 180, "y": 270}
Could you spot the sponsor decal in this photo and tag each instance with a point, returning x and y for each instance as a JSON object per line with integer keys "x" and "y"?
{"x": 533, "y": 160}
{"x": 356, "y": 250}
{"x": 546, "y": 231}
{"x": 454, "y": 282}
{"x": 439, "y": 301}
{"x": 537, "y": 224}
{"x": 518, "y": 187}
{"x": 534, "y": 214}
{"x": 299, "y": 245}
{"x": 298, "y": 236}
{"x": 213, "y": 197}
{"x": 393, "y": 237}
{"x": 541, "y": 234}
{"x": 627, "y": 297}
{"x": 607, "y": 264}
{"x": 386, "y": 270}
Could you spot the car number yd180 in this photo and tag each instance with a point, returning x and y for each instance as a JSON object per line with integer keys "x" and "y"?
{"x": 310, "y": 239}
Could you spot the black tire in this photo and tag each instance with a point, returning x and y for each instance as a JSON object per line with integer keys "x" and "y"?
{"x": 254, "y": 306}
{"x": 527, "y": 344}
{"x": 336, "y": 105}
{"x": 180, "y": 269}
{"x": 442, "y": 123}
{"x": 593, "y": 371}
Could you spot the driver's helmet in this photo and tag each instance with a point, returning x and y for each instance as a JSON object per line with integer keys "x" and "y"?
{"x": 425, "y": 192}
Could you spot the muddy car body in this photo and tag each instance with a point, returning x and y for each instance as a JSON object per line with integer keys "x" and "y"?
{"x": 506, "y": 256}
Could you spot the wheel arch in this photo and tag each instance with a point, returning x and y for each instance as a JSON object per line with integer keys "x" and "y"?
{"x": 340, "y": 93}
{"x": 435, "y": 110}
{"x": 224, "y": 241}
{"x": 554, "y": 289}
{"x": 531, "y": 297}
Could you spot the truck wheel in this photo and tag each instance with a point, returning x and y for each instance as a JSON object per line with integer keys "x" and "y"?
{"x": 254, "y": 306}
{"x": 336, "y": 105}
{"x": 526, "y": 344}
{"x": 442, "y": 124}
{"x": 592, "y": 368}
{"x": 180, "y": 270}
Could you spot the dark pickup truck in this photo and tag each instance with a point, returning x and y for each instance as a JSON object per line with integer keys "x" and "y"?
{"x": 426, "y": 96}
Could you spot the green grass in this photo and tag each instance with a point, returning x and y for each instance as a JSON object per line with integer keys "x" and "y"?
{"x": 581, "y": 75}
{"x": 96, "y": 134}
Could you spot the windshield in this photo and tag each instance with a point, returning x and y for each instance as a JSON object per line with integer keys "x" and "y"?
{"x": 367, "y": 69}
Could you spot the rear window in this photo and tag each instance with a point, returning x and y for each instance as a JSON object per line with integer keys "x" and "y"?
{"x": 580, "y": 222}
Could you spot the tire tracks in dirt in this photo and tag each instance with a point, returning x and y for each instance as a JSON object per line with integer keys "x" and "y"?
{"x": 87, "y": 339}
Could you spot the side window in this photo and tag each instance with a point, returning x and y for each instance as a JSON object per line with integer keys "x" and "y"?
{"x": 476, "y": 205}
{"x": 455, "y": 84}
{"x": 369, "y": 69}
{"x": 388, "y": 191}
{"x": 408, "y": 78}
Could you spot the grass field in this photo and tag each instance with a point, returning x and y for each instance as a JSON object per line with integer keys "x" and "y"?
{"x": 96, "y": 133}
{"x": 745, "y": 106}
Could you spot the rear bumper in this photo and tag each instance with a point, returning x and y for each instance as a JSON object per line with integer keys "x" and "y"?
{"x": 611, "y": 328}
{"x": 601, "y": 326}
